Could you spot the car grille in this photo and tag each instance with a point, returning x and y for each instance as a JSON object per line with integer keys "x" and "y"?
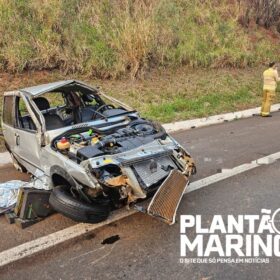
{"x": 153, "y": 171}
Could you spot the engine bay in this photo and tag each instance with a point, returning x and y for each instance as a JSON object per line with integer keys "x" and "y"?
{"x": 85, "y": 143}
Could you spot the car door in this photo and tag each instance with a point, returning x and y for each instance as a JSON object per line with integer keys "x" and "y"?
{"x": 27, "y": 135}
{"x": 8, "y": 120}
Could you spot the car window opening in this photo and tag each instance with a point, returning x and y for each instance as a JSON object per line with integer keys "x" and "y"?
{"x": 73, "y": 105}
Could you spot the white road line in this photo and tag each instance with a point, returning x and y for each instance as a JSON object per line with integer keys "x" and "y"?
{"x": 29, "y": 248}
{"x": 232, "y": 172}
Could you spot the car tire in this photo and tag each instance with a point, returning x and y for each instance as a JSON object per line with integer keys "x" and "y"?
{"x": 63, "y": 202}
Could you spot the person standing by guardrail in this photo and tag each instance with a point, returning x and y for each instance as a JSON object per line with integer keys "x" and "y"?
{"x": 270, "y": 79}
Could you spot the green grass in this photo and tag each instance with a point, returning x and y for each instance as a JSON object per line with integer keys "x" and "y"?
{"x": 115, "y": 38}
{"x": 205, "y": 105}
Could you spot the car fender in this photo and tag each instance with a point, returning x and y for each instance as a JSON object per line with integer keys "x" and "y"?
{"x": 58, "y": 174}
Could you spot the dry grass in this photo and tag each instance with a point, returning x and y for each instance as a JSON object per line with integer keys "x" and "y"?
{"x": 115, "y": 37}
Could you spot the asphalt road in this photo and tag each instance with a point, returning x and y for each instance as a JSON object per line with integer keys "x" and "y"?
{"x": 149, "y": 249}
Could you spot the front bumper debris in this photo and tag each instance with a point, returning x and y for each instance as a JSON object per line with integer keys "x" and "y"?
{"x": 166, "y": 200}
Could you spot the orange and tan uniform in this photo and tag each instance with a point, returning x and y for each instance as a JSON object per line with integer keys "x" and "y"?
{"x": 270, "y": 79}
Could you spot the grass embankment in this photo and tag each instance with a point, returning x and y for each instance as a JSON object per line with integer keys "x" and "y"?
{"x": 112, "y": 38}
{"x": 170, "y": 95}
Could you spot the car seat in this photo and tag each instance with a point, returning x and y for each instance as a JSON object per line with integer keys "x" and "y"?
{"x": 52, "y": 121}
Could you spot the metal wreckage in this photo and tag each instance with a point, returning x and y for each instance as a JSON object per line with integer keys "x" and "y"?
{"x": 98, "y": 156}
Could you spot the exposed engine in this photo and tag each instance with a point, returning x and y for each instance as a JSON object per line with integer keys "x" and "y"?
{"x": 80, "y": 146}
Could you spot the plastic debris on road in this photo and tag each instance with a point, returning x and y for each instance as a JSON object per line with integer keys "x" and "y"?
{"x": 9, "y": 190}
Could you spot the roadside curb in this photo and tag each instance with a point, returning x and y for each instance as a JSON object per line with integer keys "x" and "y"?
{"x": 196, "y": 123}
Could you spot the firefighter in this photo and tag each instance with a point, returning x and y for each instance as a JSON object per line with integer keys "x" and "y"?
{"x": 270, "y": 79}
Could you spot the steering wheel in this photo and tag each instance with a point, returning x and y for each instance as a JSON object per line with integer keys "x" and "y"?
{"x": 102, "y": 108}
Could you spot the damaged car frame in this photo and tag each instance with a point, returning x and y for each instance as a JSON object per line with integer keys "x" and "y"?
{"x": 97, "y": 153}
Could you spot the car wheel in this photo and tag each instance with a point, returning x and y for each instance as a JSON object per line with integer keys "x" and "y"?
{"x": 63, "y": 202}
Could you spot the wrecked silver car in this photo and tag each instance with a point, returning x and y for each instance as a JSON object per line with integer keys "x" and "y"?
{"x": 98, "y": 154}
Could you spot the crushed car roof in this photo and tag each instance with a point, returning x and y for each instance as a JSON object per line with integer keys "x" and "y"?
{"x": 40, "y": 89}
